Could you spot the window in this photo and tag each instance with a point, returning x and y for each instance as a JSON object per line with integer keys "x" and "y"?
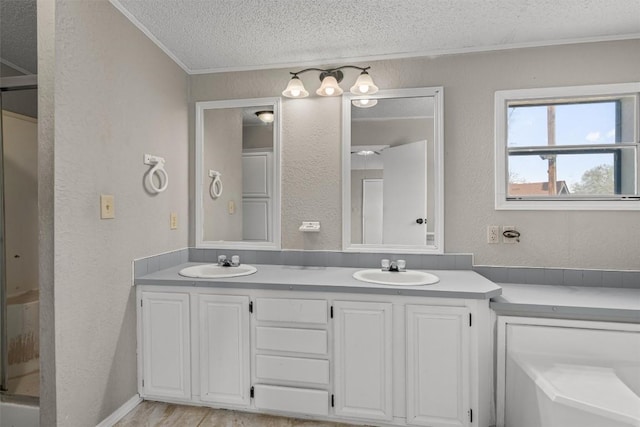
{"x": 568, "y": 148}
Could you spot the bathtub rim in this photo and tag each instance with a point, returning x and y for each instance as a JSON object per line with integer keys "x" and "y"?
{"x": 501, "y": 348}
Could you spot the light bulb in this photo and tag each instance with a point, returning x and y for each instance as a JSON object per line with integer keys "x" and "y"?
{"x": 295, "y": 89}
{"x": 329, "y": 87}
{"x": 364, "y": 85}
{"x": 364, "y": 103}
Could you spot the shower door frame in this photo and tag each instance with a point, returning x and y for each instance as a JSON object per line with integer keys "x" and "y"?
{"x": 7, "y": 84}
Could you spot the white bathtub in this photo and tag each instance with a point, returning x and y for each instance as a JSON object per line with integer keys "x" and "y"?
{"x": 575, "y": 374}
{"x": 15, "y": 415}
{"x": 573, "y": 393}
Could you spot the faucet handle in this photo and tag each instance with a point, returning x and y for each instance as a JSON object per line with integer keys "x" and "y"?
{"x": 402, "y": 264}
{"x": 385, "y": 264}
{"x": 235, "y": 260}
{"x": 221, "y": 259}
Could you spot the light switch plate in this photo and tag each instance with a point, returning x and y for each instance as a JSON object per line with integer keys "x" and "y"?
{"x": 231, "y": 207}
{"x": 107, "y": 207}
{"x": 173, "y": 221}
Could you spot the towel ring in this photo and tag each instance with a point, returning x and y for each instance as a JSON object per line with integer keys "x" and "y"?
{"x": 215, "y": 189}
{"x": 158, "y": 169}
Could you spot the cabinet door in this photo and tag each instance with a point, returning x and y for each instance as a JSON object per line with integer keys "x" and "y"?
{"x": 166, "y": 345}
{"x": 363, "y": 349}
{"x": 437, "y": 366}
{"x": 224, "y": 349}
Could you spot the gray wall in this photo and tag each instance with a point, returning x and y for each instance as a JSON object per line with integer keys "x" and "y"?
{"x": 311, "y": 152}
{"x": 257, "y": 136}
{"x": 391, "y": 131}
{"x": 222, "y": 141}
{"x": 107, "y": 97}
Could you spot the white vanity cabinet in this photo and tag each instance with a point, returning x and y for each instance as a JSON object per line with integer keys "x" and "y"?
{"x": 223, "y": 322}
{"x": 163, "y": 322}
{"x": 376, "y": 359}
{"x": 292, "y": 355}
{"x": 437, "y": 365}
{"x": 363, "y": 360}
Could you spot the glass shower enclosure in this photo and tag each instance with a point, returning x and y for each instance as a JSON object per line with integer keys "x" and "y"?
{"x": 19, "y": 299}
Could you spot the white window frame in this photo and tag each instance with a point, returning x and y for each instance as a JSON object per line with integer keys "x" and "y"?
{"x": 503, "y": 97}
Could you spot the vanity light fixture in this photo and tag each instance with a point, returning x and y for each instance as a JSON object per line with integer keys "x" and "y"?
{"x": 330, "y": 78}
{"x": 265, "y": 116}
{"x": 364, "y": 103}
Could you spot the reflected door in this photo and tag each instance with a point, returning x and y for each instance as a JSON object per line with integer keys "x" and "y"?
{"x": 404, "y": 190}
{"x": 372, "y": 208}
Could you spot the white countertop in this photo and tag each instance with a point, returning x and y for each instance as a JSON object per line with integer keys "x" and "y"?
{"x": 577, "y": 302}
{"x": 453, "y": 283}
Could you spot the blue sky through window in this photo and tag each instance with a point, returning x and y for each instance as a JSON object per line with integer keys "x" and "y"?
{"x": 576, "y": 124}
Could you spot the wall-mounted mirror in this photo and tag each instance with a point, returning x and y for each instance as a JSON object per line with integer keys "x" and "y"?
{"x": 392, "y": 181}
{"x": 237, "y": 167}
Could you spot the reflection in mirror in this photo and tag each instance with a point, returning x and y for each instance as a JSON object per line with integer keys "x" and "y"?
{"x": 392, "y": 171}
{"x": 237, "y": 174}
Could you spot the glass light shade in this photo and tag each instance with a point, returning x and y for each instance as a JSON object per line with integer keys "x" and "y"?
{"x": 295, "y": 89}
{"x": 329, "y": 87}
{"x": 265, "y": 116}
{"x": 364, "y": 103}
{"x": 364, "y": 85}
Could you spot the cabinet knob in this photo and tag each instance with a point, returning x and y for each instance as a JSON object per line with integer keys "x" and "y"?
{"x": 420, "y": 220}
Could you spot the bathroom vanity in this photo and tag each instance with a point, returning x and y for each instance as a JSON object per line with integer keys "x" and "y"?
{"x": 313, "y": 342}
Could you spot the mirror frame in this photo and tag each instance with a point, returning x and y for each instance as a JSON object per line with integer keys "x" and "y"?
{"x": 438, "y": 247}
{"x": 275, "y": 174}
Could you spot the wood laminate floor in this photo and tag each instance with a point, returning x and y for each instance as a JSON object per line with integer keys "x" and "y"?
{"x": 168, "y": 415}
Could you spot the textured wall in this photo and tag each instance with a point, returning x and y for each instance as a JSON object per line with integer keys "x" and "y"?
{"x": 311, "y": 152}
{"x": 46, "y": 143}
{"x": 117, "y": 97}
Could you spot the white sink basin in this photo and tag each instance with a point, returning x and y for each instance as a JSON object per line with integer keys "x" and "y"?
{"x": 396, "y": 278}
{"x": 214, "y": 271}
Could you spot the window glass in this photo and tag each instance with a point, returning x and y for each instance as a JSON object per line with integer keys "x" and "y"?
{"x": 567, "y": 144}
{"x": 572, "y": 124}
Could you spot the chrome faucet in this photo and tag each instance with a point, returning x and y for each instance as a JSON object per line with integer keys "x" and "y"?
{"x": 223, "y": 261}
{"x": 399, "y": 265}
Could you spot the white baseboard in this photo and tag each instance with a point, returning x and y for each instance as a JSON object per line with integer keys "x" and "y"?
{"x": 119, "y": 413}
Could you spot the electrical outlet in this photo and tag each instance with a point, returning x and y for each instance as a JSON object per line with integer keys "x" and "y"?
{"x": 173, "y": 221}
{"x": 509, "y": 239}
{"x": 107, "y": 208}
{"x": 493, "y": 234}
{"x": 231, "y": 207}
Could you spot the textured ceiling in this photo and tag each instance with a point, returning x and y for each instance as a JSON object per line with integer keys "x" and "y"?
{"x": 227, "y": 35}
{"x": 18, "y": 38}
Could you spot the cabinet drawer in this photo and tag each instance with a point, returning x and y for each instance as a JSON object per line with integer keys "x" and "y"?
{"x": 289, "y": 399}
{"x": 294, "y": 340}
{"x": 276, "y": 368}
{"x": 291, "y": 310}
